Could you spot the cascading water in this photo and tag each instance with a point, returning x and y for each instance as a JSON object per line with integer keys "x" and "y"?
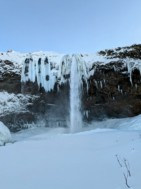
{"x": 75, "y": 94}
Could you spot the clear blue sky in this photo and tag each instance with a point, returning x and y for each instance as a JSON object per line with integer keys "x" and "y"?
{"x": 68, "y": 25}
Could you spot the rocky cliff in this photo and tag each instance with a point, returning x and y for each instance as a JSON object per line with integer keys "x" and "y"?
{"x": 110, "y": 80}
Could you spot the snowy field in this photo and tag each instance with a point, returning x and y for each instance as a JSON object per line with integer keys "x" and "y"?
{"x": 43, "y": 158}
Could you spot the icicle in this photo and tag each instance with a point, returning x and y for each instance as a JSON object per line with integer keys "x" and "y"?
{"x": 96, "y": 84}
{"x": 101, "y": 84}
{"x": 114, "y": 68}
{"x": 49, "y": 69}
{"x": 87, "y": 114}
{"x": 130, "y": 66}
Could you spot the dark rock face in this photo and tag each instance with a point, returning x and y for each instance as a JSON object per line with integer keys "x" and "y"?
{"x": 109, "y": 93}
{"x": 18, "y": 121}
{"x": 53, "y": 106}
{"x": 133, "y": 51}
{"x": 9, "y": 78}
{"x": 10, "y": 81}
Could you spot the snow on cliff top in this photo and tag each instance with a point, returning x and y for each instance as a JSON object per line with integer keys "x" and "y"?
{"x": 107, "y": 55}
{"x": 51, "y": 67}
{"x": 89, "y": 58}
{"x": 17, "y": 57}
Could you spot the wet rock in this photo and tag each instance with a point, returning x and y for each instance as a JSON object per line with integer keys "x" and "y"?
{"x": 111, "y": 92}
{"x": 10, "y": 77}
{"x": 17, "y": 121}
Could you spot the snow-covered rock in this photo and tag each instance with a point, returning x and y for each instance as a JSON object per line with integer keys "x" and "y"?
{"x": 5, "y": 135}
{"x": 14, "y": 110}
{"x": 12, "y": 103}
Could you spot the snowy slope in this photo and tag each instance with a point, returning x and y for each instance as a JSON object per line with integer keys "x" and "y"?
{"x": 55, "y": 159}
{"x": 14, "y": 102}
{"x": 15, "y": 57}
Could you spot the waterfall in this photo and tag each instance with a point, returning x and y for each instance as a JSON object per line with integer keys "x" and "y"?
{"x": 75, "y": 95}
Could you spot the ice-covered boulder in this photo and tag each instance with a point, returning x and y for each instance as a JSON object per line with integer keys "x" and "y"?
{"x": 5, "y": 135}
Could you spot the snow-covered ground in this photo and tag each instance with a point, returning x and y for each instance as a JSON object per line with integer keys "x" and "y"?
{"x": 101, "y": 158}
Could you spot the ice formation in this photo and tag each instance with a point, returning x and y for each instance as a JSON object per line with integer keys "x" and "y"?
{"x": 47, "y": 71}
{"x": 48, "y": 68}
{"x": 131, "y": 66}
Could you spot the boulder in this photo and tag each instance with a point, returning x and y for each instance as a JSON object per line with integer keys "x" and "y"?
{"x": 5, "y": 135}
